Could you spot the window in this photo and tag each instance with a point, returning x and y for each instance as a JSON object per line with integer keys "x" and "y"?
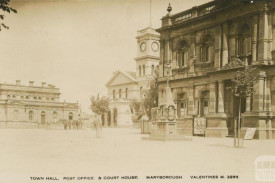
{"x": 244, "y": 43}
{"x": 30, "y": 115}
{"x": 39, "y": 98}
{"x": 182, "y": 54}
{"x": 139, "y": 68}
{"x": 182, "y": 103}
{"x": 16, "y": 115}
{"x": 120, "y": 93}
{"x": 126, "y": 93}
{"x": 143, "y": 70}
{"x": 27, "y": 97}
{"x": 13, "y": 96}
{"x": 52, "y": 99}
{"x": 153, "y": 69}
{"x": 22, "y": 97}
{"x": 8, "y": 96}
{"x": 114, "y": 94}
{"x": 207, "y": 49}
{"x": 34, "y": 98}
{"x": 55, "y": 115}
{"x": 204, "y": 103}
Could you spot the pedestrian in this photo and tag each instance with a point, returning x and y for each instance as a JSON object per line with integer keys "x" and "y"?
{"x": 98, "y": 125}
{"x": 70, "y": 124}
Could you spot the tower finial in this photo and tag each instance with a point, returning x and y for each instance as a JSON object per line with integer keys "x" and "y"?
{"x": 169, "y": 9}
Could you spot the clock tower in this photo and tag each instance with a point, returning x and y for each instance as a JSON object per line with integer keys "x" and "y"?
{"x": 148, "y": 56}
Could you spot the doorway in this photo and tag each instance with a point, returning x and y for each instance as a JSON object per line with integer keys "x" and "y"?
{"x": 43, "y": 117}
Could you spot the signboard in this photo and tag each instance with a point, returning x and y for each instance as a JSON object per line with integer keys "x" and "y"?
{"x": 249, "y": 134}
{"x": 199, "y": 126}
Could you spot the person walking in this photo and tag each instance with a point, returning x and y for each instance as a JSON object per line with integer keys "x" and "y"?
{"x": 98, "y": 125}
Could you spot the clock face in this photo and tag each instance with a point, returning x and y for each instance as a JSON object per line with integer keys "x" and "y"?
{"x": 155, "y": 46}
{"x": 143, "y": 46}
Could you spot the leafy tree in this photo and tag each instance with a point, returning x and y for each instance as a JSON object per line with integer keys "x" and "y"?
{"x": 99, "y": 104}
{"x": 243, "y": 86}
{"x": 5, "y": 7}
{"x": 149, "y": 98}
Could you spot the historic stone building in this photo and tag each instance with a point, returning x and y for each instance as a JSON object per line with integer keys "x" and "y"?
{"x": 124, "y": 87}
{"x": 33, "y": 106}
{"x": 202, "y": 45}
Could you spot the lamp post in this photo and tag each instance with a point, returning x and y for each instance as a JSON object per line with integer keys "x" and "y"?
{"x": 168, "y": 70}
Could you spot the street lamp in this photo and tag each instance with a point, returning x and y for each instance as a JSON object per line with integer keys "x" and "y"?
{"x": 168, "y": 70}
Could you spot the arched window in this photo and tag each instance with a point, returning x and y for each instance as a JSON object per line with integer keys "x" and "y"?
{"x": 71, "y": 115}
{"x": 141, "y": 92}
{"x": 207, "y": 49}
{"x": 182, "y": 102}
{"x": 153, "y": 69}
{"x": 244, "y": 43}
{"x": 55, "y": 115}
{"x": 204, "y": 106}
{"x": 114, "y": 94}
{"x": 16, "y": 114}
{"x": 143, "y": 67}
{"x": 30, "y": 115}
{"x": 182, "y": 54}
{"x": 126, "y": 93}
{"x": 119, "y": 93}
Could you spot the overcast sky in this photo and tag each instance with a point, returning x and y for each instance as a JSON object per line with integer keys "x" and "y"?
{"x": 76, "y": 44}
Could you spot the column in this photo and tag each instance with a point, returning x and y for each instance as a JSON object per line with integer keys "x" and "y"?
{"x": 224, "y": 44}
{"x": 212, "y": 97}
{"x": 192, "y": 55}
{"x": 248, "y": 103}
{"x": 263, "y": 35}
{"x": 218, "y": 47}
{"x": 221, "y": 97}
{"x": 255, "y": 38}
{"x": 191, "y": 106}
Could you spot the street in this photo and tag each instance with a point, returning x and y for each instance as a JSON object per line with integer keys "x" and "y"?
{"x": 121, "y": 152}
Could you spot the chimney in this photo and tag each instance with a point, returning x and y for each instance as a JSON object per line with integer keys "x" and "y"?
{"x": 30, "y": 83}
{"x": 43, "y": 84}
{"x": 18, "y": 82}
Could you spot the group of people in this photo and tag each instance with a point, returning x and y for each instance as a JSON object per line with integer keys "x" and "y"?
{"x": 72, "y": 124}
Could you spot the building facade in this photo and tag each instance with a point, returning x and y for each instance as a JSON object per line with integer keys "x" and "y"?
{"x": 33, "y": 106}
{"x": 203, "y": 46}
{"x": 125, "y": 87}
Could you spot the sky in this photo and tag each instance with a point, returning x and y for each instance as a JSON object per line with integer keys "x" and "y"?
{"x": 76, "y": 45}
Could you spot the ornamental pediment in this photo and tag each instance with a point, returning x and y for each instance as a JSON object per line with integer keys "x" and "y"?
{"x": 120, "y": 78}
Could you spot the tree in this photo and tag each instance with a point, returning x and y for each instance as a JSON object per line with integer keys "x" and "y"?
{"x": 243, "y": 86}
{"x": 99, "y": 104}
{"x": 5, "y": 7}
{"x": 149, "y": 98}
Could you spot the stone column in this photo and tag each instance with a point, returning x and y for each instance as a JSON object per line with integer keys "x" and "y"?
{"x": 248, "y": 103}
{"x": 263, "y": 35}
{"x": 258, "y": 96}
{"x": 262, "y": 129}
{"x": 162, "y": 53}
{"x": 192, "y": 55}
{"x": 221, "y": 97}
{"x": 212, "y": 97}
{"x": 269, "y": 127}
{"x": 224, "y": 44}
{"x": 255, "y": 38}
{"x": 218, "y": 47}
{"x": 191, "y": 106}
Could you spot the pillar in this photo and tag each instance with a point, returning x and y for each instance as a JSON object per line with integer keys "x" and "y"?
{"x": 269, "y": 127}
{"x": 191, "y": 106}
{"x": 255, "y": 38}
{"x": 262, "y": 129}
{"x": 218, "y": 47}
{"x": 221, "y": 97}
{"x": 193, "y": 55}
{"x": 212, "y": 97}
{"x": 263, "y": 35}
{"x": 224, "y": 44}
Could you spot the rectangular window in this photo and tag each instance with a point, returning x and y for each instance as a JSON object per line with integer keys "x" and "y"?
{"x": 184, "y": 58}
